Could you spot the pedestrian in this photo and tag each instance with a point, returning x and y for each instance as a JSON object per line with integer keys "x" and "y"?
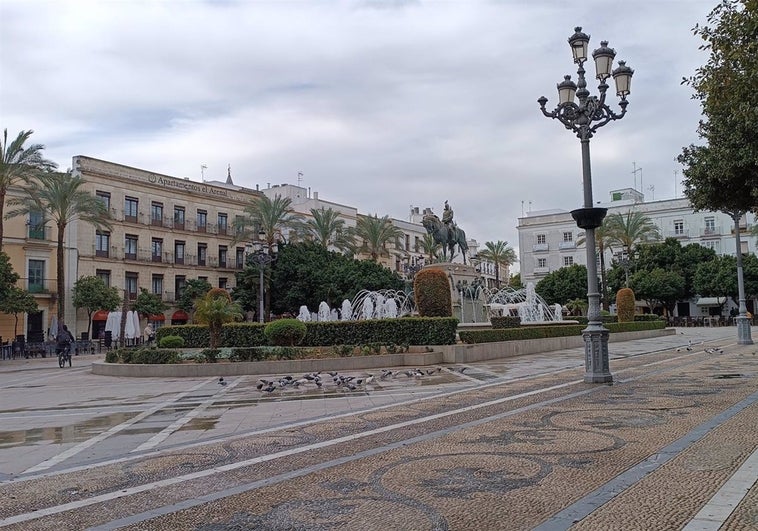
{"x": 149, "y": 333}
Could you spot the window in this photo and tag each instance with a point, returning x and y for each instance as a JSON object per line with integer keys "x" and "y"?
{"x": 130, "y": 247}
{"x": 36, "y": 276}
{"x": 679, "y": 227}
{"x": 157, "y": 284}
{"x": 156, "y": 214}
{"x": 222, "y": 223}
{"x": 179, "y": 217}
{"x": 239, "y": 224}
{"x": 542, "y": 262}
{"x": 157, "y": 249}
{"x": 36, "y": 225}
{"x": 743, "y": 248}
{"x": 712, "y": 244}
{"x": 222, "y": 255}
{"x": 541, "y": 239}
{"x": 104, "y": 275}
{"x": 568, "y": 260}
{"x": 202, "y": 254}
{"x": 102, "y": 243}
{"x": 178, "y": 252}
{"x": 568, "y": 236}
{"x": 130, "y": 285}
{"x": 240, "y": 257}
{"x": 131, "y": 209}
{"x": 105, "y": 197}
{"x": 180, "y": 283}
{"x": 202, "y": 220}
{"x": 222, "y": 282}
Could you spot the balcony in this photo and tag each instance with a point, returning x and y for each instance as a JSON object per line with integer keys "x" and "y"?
{"x": 566, "y": 245}
{"x": 681, "y": 234}
{"x": 39, "y": 232}
{"x": 37, "y": 286}
{"x": 540, "y": 247}
{"x": 710, "y": 232}
{"x": 541, "y": 270}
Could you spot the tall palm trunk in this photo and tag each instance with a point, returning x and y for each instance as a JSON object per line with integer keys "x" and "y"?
{"x": 60, "y": 280}
{"x": 2, "y": 208}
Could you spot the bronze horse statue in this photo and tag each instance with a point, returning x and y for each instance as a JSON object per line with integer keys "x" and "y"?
{"x": 448, "y": 236}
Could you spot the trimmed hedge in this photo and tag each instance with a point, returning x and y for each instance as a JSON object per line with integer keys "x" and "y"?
{"x": 402, "y": 331}
{"x": 506, "y": 321}
{"x": 542, "y": 332}
{"x": 431, "y": 291}
{"x": 285, "y": 332}
{"x": 143, "y": 355}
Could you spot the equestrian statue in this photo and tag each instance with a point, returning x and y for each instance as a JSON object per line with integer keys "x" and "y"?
{"x": 446, "y": 233}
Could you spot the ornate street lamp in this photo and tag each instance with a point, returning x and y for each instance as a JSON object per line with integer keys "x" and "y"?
{"x": 585, "y": 118}
{"x": 261, "y": 254}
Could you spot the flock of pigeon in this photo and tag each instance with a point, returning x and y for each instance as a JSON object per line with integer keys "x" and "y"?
{"x": 339, "y": 381}
{"x": 714, "y": 350}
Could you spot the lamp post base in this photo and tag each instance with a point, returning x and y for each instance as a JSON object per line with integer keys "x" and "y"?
{"x": 596, "y": 365}
{"x": 743, "y": 330}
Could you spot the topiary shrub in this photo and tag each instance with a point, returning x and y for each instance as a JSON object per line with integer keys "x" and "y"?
{"x": 171, "y": 342}
{"x": 506, "y": 321}
{"x": 625, "y": 305}
{"x": 285, "y": 332}
{"x": 431, "y": 290}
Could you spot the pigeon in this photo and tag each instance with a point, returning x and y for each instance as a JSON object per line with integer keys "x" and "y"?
{"x": 221, "y": 380}
{"x": 462, "y": 369}
{"x": 370, "y": 379}
{"x": 269, "y": 389}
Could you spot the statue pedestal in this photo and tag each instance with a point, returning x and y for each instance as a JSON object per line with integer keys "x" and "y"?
{"x": 465, "y": 308}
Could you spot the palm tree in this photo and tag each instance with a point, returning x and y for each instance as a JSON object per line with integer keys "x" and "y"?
{"x": 374, "y": 233}
{"x": 603, "y": 242}
{"x": 630, "y": 229}
{"x": 215, "y": 309}
{"x": 500, "y": 254}
{"x": 430, "y": 247}
{"x": 19, "y": 164}
{"x": 62, "y": 197}
{"x": 326, "y": 228}
{"x": 263, "y": 220}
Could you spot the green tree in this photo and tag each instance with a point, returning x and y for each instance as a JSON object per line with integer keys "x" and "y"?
{"x": 515, "y": 281}
{"x": 16, "y": 301}
{"x": 716, "y": 278}
{"x": 307, "y": 274}
{"x": 603, "y": 243}
{"x": 563, "y": 285}
{"x": 671, "y": 256}
{"x": 430, "y": 248}
{"x": 267, "y": 220}
{"x": 8, "y": 277}
{"x": 658, "y": 287}
{"x": 63, "y": 198}
{"x": 18, "y": 164}
{"x": 722, "y": 174}
{"x": 326, "y": 228}
{"x": 216, "y": 309}
{"x": 629, "y": 230}
{"x": 148, "y": 304}
{"x": 93, "y": 294}
{"x": 373, "y": 234}
{"x": 500, "y": 254}
{"x": 194, "y": 289}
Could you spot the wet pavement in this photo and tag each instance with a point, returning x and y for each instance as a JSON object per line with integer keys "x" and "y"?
{"x": 518, "y": 443}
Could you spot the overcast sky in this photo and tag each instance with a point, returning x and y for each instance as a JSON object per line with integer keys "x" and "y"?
{"x": 380, "y": 104}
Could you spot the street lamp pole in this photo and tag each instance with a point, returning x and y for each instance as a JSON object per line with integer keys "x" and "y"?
{"x": 262, "y": 254}
{"x": 743, "y": 323}
{"x": 584, "y": 119}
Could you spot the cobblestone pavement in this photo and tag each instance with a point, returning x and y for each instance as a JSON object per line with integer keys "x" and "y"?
{"x": 521, "y": 443}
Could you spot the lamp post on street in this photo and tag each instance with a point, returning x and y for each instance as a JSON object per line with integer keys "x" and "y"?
{"x": 584, "y": 119}
{"x": 261, "y": 254}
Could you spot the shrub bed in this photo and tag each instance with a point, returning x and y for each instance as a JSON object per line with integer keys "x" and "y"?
{"x": 143, "y": 355}
{"x": 537, "y": 332}
{"x": 403, "y": 331}
{"x": 506, "y": 321}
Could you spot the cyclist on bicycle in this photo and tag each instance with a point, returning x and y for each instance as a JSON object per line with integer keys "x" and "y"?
{"x": 63, "y": 349}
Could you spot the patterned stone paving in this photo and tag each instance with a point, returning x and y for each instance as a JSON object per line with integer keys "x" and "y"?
{"x": 496, "y": 465}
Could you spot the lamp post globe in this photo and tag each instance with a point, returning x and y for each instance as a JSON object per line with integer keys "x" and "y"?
{"x": 584, "y": 118}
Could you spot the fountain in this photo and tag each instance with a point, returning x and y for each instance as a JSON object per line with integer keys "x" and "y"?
{"x": 305, "y": 314}
{"x": 381, "y": 304}
{"x": 324, "y": 314}
{"x": 346, "y": 313}
{"x": 525, "y": 303}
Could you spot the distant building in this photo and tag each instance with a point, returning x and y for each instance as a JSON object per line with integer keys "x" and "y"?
{"x": 548, "y": 238}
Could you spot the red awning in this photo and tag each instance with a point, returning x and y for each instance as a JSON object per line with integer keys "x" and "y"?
{"x": 100, "y": 315}
{"x": 180, "y": 315}
{"x": 158, "y": 317}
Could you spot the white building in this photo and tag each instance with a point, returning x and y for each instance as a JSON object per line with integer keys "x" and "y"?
{"x": 547, "y": 238}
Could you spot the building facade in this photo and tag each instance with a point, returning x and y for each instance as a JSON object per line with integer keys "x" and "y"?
{"x": 548, "y": 238}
